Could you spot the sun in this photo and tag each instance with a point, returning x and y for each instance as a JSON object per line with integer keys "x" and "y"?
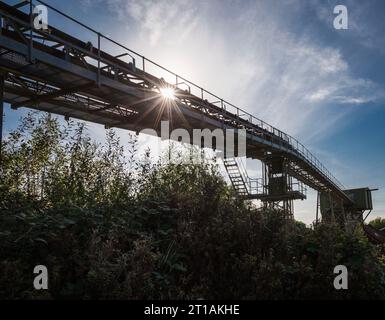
{"x": 168, "y": 93}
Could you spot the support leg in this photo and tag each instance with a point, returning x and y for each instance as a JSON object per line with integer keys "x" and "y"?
{"x": 333, "y": 220}
{"x": 317, "y": 208}
{"x": 2, "y": 79}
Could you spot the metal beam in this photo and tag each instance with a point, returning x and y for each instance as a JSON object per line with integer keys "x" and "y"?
{"x": 2, "y": 80}
{"x": 21, "y": 4}
{"x": 49, "y": 96}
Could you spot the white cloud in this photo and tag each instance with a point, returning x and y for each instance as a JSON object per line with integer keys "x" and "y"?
{"x": 319, "y": 95}
{"x": 246, "y": 53}
{"x": 157, "y": 19}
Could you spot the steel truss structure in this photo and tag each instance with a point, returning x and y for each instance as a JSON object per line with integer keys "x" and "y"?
{"x": 52, "y": 71}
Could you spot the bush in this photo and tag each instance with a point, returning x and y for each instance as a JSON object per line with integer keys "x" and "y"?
{"x": 110, "y": 224}
{"x": 378, "y": 223}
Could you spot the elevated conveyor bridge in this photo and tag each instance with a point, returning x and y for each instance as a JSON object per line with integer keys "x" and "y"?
{"x": 53, "y": 71}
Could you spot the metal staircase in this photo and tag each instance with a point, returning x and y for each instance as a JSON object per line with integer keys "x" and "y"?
{"x": 270, "y": 188}
{"x": 236, "y": 176}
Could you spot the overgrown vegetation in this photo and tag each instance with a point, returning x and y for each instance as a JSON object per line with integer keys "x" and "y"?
{"x": 110, "y": 224}
{"x": 378, "y": 223}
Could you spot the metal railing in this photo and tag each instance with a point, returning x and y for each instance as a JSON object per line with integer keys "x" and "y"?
{"x": 196, "y": 90}
{"x": 254, "y": 185}
{"x": 298, "y": 186}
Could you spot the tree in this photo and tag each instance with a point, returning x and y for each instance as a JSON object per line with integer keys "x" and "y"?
{"x": 109, "y": 223}
{"x": 378, "y": 223}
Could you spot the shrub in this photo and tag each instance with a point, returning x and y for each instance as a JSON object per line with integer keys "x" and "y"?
{"x": 110, "y": 224}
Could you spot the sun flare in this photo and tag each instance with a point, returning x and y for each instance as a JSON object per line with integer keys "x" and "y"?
{"x": 168, "y": 93}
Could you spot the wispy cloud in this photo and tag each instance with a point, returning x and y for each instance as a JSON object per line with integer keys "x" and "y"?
{"x": 157, "y": 18}
{"x": 259, "y": 56}
{"x": 363, "y": 17}
{"x": 247, "y": 53}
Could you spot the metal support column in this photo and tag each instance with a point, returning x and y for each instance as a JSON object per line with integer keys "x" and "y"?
{"x": 343, "y": 212}
{"x": 333, "y": 220}
{"x": 318, "y": 207}
{"x": 30, "y": 45}
{"x": 2, "y": 79}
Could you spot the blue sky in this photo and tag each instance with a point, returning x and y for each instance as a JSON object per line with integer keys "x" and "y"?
{"x": 283, "y": 61}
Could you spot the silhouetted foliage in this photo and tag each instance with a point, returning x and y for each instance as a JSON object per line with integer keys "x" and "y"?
{"x": 111, "y": 224}
{"x": 378, "y": 223}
